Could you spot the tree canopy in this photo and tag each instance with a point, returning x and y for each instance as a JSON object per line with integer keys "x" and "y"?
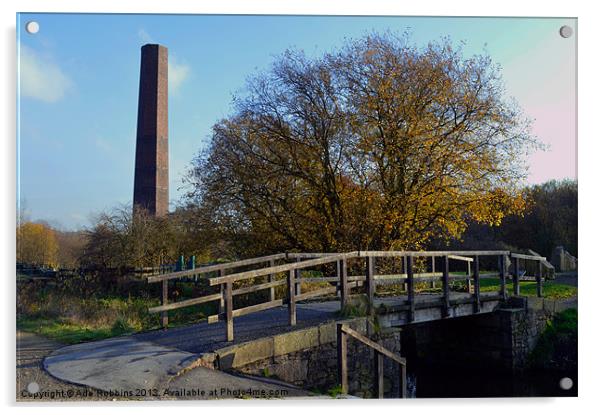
{"x": 378, "y": 145}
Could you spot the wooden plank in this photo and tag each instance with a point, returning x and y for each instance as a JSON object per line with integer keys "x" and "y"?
{"x": 433, "y": 282}
{"x": 343, "y": 287}
{"x": 403, "y": 385}
{"x": 229, "y": 305}
{"x": 271, "y": 278}
{"x": 370, "y": 286}
{"x": 308, "y": 255}
{"x": 342, "y": 358}
{"x": 460, "y": 258}
{"x": 185, "y": 303}
{"x": 502, "y": 267}
{"x": 315, "y": 293}
{"x": 292, "y": 308}
{"x": 379, "y": 376}
{"x": 221, "y": 305}
{"x": 477, "y": 285}
{"x": 446, "y": 286}
{"x": 164, "y": 301}
{"x": 370, "y": 343}
{"x": 410, "y": 282}
{"x": 216, "y": 267}
{"x": 515, "y": 281}
{"x": 280, "y": 268}
{"x": 528, "y": 257}
{"x": 239, "y": 312}
{"x": 258, "y": 287}
{"x": 429, "y": 253}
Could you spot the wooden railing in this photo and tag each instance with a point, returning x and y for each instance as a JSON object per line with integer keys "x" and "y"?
{"x": 342, "y": 283}
{"x": 343, "y": 331}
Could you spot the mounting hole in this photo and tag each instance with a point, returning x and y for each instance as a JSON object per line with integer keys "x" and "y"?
{"x": 566, "y": 31}
{"x": 32, "y": 27}
{"x": 566, "y": 383}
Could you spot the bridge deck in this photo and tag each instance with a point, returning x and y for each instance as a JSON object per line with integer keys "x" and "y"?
{"x": 203, "y": 337}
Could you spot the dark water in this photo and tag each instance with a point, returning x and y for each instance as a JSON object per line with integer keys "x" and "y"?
{"x": 429, "y": 382}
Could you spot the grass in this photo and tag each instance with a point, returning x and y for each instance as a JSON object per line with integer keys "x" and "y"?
{"x": 529, "y": 288}
{"x": 556, "y": 348}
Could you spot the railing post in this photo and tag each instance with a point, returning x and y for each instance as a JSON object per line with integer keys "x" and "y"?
{"x": 342, "y": 358}
{"x": 292, "y": 307}
{"x": 515, "y": 281}
{"x": 403, "y": 386}
{"x": 502, "y": 266}
{"x": 379, "y": 377}
{"x": 410, "y": 280}
{"x": 433, "y": 282}
{"x": 477, "y": 285}
{"x": 164, "y": 301}
{"x": 343, "y": 282}
{"x": 220, "y": 308}
{"x": 271, "y": 279}
{"x": 370, "y": 281}
{"x": 404, "y": 270}
{"x": 229, "y": 305}
{"x": 298, "y": 280}
{"x": 445, "y": 286}
{"x": 539, "y": 278}
{"x": 468, "y": 275}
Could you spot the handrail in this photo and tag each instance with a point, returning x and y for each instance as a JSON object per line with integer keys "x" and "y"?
{"x": 343, "y": 330}
{"x": 215, "y": 267}
{"x": 384, "y": 254}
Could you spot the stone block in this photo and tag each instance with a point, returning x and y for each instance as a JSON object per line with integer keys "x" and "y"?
{"x": 245, "y": 353}
{"x": 296, "y": 341}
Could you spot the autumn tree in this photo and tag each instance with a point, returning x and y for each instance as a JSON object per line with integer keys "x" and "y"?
{"x": 378, "y": 145}
{"x": 36, "y": 244}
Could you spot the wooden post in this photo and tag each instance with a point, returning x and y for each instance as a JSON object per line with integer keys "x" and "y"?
{"x": 220, "y": 308}
{"x": 343, "y": 283}
{"x": 445, "y": 286}
{"x": 477, "y": 285}
{"x": 271, "y": 278}
{"x": 502, "y": 266}
{"x": 297, "y": 280}
{"x": 164, "y": 301}
{"x": 410, "y": 272}
{"x": 539, "y": 279}
{"x": 468, "y": 276}
{"x": 342, "y": 358}
{"x": 403, "y": 386}
{"x": 379, "y": 376}
{"x": 370, "y": 281}
{"x": 292, "y": 307}
{"x": 433, "y": 282}
{"x": 404, "y": 270}
{"x": 515, "y": 281}
{"x": 229, "y": 305}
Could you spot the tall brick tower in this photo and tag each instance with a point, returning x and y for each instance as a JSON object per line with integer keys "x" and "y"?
{"x": 151, "y": 177}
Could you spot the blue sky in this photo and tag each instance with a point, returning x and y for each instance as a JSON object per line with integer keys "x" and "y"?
{"x": 79, "y": 74}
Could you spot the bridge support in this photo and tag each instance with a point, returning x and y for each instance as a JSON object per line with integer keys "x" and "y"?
{"x": 292, "y": 306}
{"x": 370, "y": 287}
{"x": 446, "y": 286}
{"x": 229, "y": 308}
{"x": 477, "y": 286}
{"x": 343, "y": 286}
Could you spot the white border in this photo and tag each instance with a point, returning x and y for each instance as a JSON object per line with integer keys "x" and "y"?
{"x": 589, "y": 183}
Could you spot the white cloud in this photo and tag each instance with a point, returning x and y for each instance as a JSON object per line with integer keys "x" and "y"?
{"x": 41, "y": 78}
{"x": 177, "y": 74}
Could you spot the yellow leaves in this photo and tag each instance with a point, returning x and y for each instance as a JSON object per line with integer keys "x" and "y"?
{"x": 36, "y": 244}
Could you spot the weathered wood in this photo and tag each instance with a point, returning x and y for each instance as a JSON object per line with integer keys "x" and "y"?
{"x": 342, "y": 358}
{"x": 292, "y": 307}
{"x": 185, "y": 303}
{"x": 220, "y": 307}
{"x": 370, "y": 285}
{"x": 229, "y": 306}
{"x": 271, "y": 278}
{"x": 515, "y": 281}
{"x": 502, "y": 267}
{"x": 460, "y": 258}
{"x": 477, "y": 285}
{"x": 315, "y": 293}
{"x": 468, "y": 276}
{"x": 528, "y": 257}
{"x": 308, "y": 255}
{"x": 370, "y": 343}
{"x": 429, "y": 253}
{"x": 280, "y": 268}
{"x": 403, "y": 385}
{"x": 297, "y": 282}
{"x": 539, "y": 278}
{"x": 343, "y": 285}
{"x": 410, "y": 282}
{"x": 216, "y": 267}
{"x": 379, "y": 376}
{"x": 446, "y": 286}
{"x": 258, "y": 287}
{"x": 433, "y": 282}
{"x": 164, "y": 301}
{"x": 239, "y": 312}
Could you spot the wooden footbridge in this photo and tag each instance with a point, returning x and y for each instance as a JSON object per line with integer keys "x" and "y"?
{"x": 354, "y": 274}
